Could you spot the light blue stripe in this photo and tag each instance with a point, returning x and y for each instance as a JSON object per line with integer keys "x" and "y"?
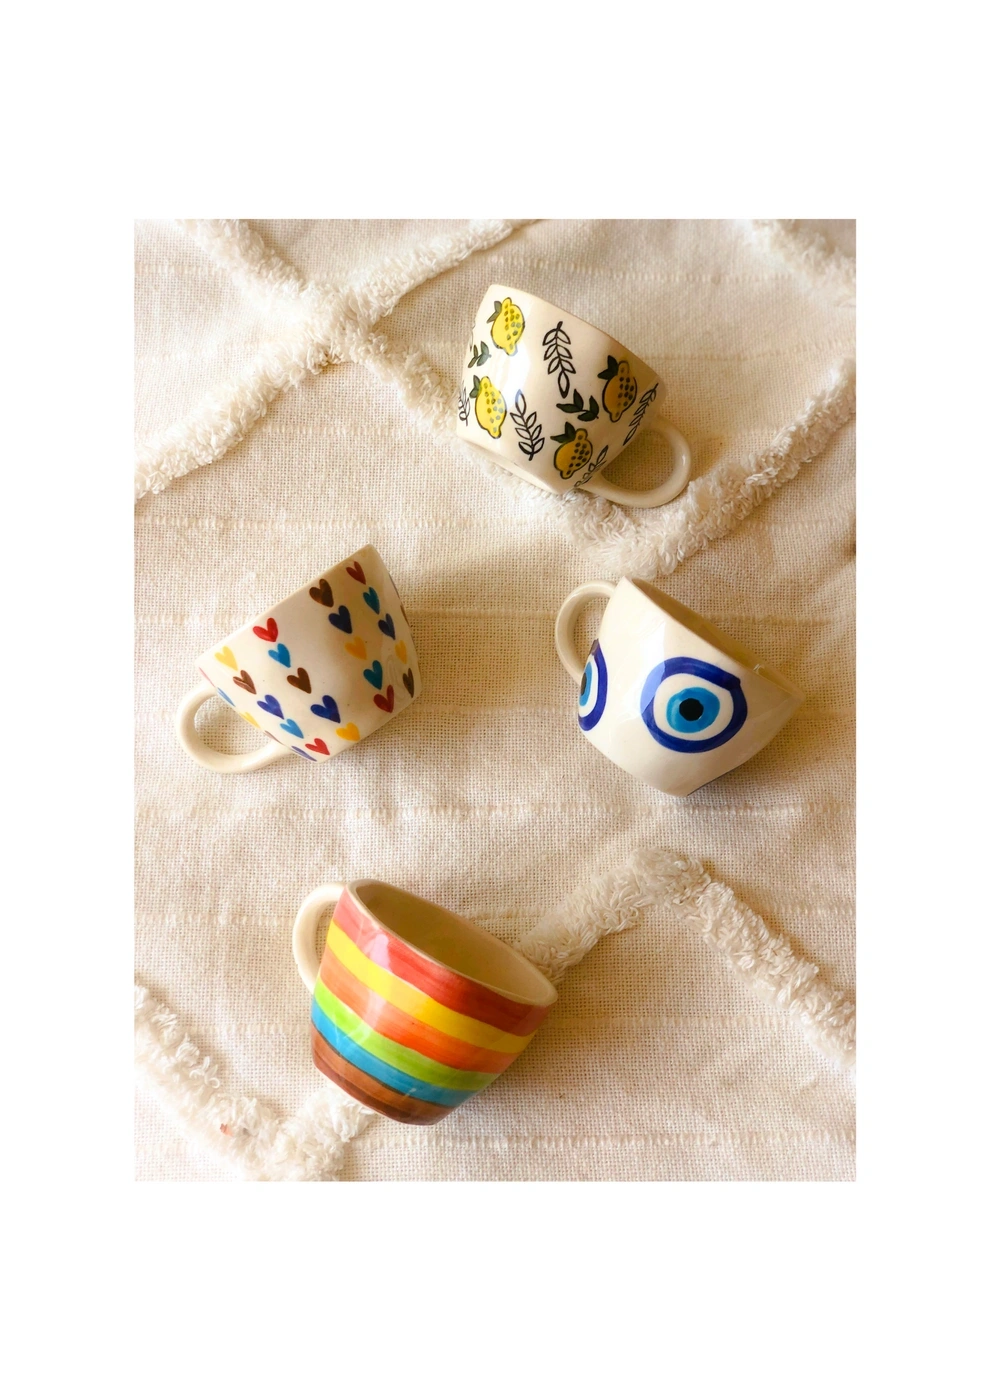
{"x": 378, "y": 1069}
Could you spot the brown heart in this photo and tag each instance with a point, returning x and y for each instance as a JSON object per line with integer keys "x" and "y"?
{"x": 386, "y": 702}
{"x": 407, "y": 680}
{"x": 323, "y": 594}
{"x": 301, "y": 682}
{"x": 245, "y": 680}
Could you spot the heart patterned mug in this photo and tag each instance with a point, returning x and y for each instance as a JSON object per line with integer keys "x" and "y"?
{"x": 316, "y": 673}
{"x": 414, "y": 1009}
{"x": 554, "y": 400}
{"x": 666, "y": 695}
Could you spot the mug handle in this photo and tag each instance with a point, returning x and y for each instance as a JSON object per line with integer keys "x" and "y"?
{"x": 185, "y": 727}
{"x": 304, "y": 930}
{"x": 660, "y": 495}
{"x": 563, "y": 632}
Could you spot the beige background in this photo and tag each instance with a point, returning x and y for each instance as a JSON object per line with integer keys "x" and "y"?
{"x": 657, "y": 1064}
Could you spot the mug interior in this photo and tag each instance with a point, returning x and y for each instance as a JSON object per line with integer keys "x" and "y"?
{"x": 454, "y": 943}
{"x": 714, "y": 636}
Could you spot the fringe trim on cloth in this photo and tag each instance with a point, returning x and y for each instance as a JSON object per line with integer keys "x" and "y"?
{"x": 811, "y": 256}
{"x": 311, "y": 1146}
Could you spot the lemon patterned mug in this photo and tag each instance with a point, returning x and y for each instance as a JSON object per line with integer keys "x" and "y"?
{"x": 554, "y": 400}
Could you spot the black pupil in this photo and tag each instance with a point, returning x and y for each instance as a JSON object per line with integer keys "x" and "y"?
{"x": 690, "y": 709}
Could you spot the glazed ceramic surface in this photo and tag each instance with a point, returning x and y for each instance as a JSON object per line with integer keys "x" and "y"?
{"x": 664, "y": 694}
{"x": 554, "y": 400}
{"x": 414, "y": 1009}
{"x": 316, "y": 673}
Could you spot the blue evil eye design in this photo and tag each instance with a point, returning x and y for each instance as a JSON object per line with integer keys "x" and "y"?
{"x": 690, "y": 706}
{"x": 594, "y": 690}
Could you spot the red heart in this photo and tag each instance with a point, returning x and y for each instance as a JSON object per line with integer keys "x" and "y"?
{"x": 384, "y": 704}
{"x": 269, "y": 633}
{"x": 357, "y": 572}
{"x": 318, "y": 747}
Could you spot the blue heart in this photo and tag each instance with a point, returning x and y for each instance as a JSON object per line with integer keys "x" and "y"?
{"x": 225, "y": 697}
{"x": 341, "y": 619}
{"x": 281, "y": 655}
{"x": 291, "y": 727}
{"x": 374, "y": 675}
{"x": 328, "y": 710}
{"x": 271, "y": 705}
{"x": 371, "y": 598}
{"x": 388, "y": 626}
{"x": 303, "y": 752}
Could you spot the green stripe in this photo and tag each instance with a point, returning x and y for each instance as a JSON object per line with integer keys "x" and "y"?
{"x": 398, "y": 1056}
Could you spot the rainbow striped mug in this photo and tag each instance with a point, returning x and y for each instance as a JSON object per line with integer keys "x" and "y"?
{"x": 414, "y": 1009}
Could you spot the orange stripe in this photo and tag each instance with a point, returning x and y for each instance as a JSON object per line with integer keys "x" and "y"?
{"x": 369, "y": 1091}
{"x": 398, "y": 1025}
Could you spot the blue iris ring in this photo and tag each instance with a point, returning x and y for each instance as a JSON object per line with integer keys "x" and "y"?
{"x": 686, "y": 665}
{"x": 596, "y": 660}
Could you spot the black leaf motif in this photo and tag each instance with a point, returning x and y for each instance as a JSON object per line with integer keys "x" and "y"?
{"x": 637, "y": 417}
{"x": 559, "y": 358}
{"x": 576, "y": 405}
{"x": 462, "y": 407}
{"x": 530, "y": 432}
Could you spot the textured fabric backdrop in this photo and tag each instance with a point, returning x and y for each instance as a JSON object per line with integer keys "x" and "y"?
{"x": 657, "y": 1063}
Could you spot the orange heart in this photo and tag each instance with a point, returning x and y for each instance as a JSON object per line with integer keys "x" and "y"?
{"x": 250, "y": 719}
{"x": 350, "y": 731}
{"x": 356, "y": 648}
{"x": 400, "y": 650}
{"x": 227, "y": 657}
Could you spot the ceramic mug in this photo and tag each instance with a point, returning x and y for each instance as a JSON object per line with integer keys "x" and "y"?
{"x": 414, "y": 1009}
{"x": 316, "y": 673}
{"x": 554, "y": 400}
{"x": 666, "y": 695}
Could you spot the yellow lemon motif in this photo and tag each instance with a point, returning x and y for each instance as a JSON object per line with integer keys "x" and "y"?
{"x": 489, "y": 406}
{"x": 507, "y": 325}
{"x": 620, "y": 391}
{"x": 574, "y": 454}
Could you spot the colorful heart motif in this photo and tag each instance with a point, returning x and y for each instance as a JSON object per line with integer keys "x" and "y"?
{"x": 357, "y": 572}
{"x": 303, "y": 753}
{"x": 226, "y": 657}
{"x": 374, "y": 675}
{"x": 271, "y": 706}
{"x": 225, "y": 697}
{"x": 356, "y": 648}
{"x": 318, "y": 746}
{"x": 328, "y": 710}
{"x": 245, "y": 680}
{"x": 341, "y": 619}
{"x": 269, "y": 633}
{"x": 300, "y": 681}
{"x": 291, "y": 727}
{"x": 386, "y": 701}
{"x": 281, "y": 655}
{"x": 387, "y": 626}
{"x": 371, "y": 598}
{"x": 322, "y": 594}
{"x": 349, "y": 731}
{"x": 250, "y": 719}
{"x": 407, "y": 681}
{"x": 400, "y": 651}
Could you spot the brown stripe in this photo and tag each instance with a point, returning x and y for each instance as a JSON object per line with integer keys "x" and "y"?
{"x": 369, "y": 1091}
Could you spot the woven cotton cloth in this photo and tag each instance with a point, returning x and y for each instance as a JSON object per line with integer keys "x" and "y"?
{"x": 657, "y": 1063}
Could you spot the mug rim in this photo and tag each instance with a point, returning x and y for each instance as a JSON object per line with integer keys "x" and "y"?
{"x": 589, "y": 325}
{"x": 713, "y": 636}
{"x": 352, "y": 887}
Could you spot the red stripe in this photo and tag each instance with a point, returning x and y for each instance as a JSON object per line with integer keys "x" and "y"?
{"x": 399, "y": 1026}
{"x": 369, "y": 1091}
{"x": 451, "y": 989}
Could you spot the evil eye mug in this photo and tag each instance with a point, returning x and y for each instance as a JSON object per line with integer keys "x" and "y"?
{"x": 665, "y": 694}
{"x": 554, "y": 400}
{"x": 316, "y": 673}
{"x": 414, "y": 1009}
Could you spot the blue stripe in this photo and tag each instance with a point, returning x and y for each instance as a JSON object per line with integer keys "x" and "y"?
{"x": 348, "y": 1049}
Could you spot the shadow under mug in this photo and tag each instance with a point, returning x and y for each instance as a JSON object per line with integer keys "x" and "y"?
{"x": 665, "y": 694}
{"x": 555, "y": 400}
{"x": 414, "y": 1009}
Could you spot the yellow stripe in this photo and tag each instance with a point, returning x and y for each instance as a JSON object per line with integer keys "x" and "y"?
{"x": 410, "y": 999}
